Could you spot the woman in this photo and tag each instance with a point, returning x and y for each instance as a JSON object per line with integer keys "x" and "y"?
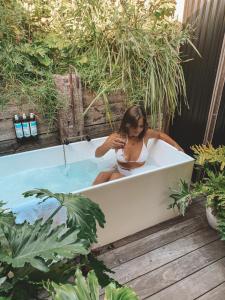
{"x": 130, "y": 144}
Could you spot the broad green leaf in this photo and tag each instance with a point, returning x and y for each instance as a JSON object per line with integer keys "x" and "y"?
{"x": 100, "y": 270}
{"x": 81, "y": 211}
{"x": 37, "y": 243}
{"x": 6, "y": 216}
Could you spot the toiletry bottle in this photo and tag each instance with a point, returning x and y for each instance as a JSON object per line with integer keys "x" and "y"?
{"x": 33, "y": 126}
{"x": 18, "y": 128}
{"x": 26, "y": 127}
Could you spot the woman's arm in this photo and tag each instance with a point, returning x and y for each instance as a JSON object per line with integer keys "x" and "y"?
{"x": 114, "y": 141}
{"x": 163, "y": 136}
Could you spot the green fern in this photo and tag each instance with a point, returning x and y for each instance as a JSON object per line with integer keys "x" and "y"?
{"x": 207, "y": 154}
{"x": 213, "y": 187}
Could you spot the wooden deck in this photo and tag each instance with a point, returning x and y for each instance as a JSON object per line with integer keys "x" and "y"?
{"x": 181, "y": 259}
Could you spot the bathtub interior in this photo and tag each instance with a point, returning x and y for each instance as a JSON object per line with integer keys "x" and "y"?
{"x": 160, "y": 154}
{"x": 37, "y": 163}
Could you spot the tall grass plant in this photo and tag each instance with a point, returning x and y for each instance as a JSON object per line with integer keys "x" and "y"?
{"x": 131, "y": 46}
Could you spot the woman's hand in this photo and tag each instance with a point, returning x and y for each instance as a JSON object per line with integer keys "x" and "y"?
{"x": 115, "y": 142}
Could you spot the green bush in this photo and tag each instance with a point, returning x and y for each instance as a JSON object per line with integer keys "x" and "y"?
{"x": 114, "y": 45}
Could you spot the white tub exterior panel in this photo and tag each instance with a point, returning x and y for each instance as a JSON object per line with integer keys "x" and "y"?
{"x": 138, "y": 203}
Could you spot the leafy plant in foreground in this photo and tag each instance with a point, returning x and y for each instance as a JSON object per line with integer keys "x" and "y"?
{"x": 81, "y": 211}
{"x": 89, "y": 290}
{"x": 33, "y": 253}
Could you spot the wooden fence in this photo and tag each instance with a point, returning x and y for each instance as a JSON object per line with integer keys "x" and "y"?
{"x": 95, "y": 122}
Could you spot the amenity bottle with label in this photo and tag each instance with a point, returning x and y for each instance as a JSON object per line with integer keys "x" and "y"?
{"x": 33, "y": 125}
{"x": 26, "y": 126}
{"x": 18, "y": 128}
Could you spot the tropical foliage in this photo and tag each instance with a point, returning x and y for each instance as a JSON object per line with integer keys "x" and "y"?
{"x": 88, "y": 289}
{"x": 207, "y": 155}
{"x": 181, "y": 198}
{"x": 131, "y": 46}
{"x": 33, "y": 253}
{"x": 211, "y": 184}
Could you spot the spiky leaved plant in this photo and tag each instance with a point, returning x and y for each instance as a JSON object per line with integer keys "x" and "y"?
{"x": 131, "y": 46}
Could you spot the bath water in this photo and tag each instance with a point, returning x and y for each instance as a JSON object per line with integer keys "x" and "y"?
{"x": 74, "y": 177}
{"x": 57, "y": 179}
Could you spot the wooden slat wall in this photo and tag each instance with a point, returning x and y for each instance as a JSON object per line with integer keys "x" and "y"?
{"x": 8, "y": 143}
{"x": 95, "y": 123}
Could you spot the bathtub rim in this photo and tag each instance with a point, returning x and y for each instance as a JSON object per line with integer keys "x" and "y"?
{"x": 99, "y": 186}
{"x": 188, "y": 158}
{"x": 80, "y": 142}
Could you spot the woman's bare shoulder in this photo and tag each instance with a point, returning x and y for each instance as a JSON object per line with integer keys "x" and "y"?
{"x": 151, "y": 134}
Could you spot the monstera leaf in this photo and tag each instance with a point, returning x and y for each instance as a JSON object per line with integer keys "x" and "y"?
{"x": 6, "y": 216}
{"x": 81, "y": 211}
{"x": 36, "y": 244}
{"x": 6, "y": 219}
{"x": 89, "y": 290}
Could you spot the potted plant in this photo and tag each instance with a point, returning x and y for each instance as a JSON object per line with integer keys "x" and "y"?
{"x": 210, "y": 166}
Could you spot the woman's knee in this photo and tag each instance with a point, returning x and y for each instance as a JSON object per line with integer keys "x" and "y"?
{"x": 116, "y": 176}
{"x": 102, "y": 177}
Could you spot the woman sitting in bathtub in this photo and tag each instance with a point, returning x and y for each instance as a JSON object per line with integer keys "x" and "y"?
{"x": 130, "y": 144}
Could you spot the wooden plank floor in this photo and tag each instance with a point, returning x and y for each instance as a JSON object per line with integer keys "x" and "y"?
{"x": 181, "y": 259}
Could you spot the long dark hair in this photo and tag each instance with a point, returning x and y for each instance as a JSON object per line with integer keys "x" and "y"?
{"x": 131, "y": 118}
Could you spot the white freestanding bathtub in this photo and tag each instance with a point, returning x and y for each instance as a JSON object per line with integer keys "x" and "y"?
{"x": 130, "y": 204}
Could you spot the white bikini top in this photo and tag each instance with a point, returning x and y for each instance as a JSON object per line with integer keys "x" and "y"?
{"x": 141, "y": 159}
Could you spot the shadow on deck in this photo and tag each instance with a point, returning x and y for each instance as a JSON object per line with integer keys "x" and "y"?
{"x": 180, "y": 259}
